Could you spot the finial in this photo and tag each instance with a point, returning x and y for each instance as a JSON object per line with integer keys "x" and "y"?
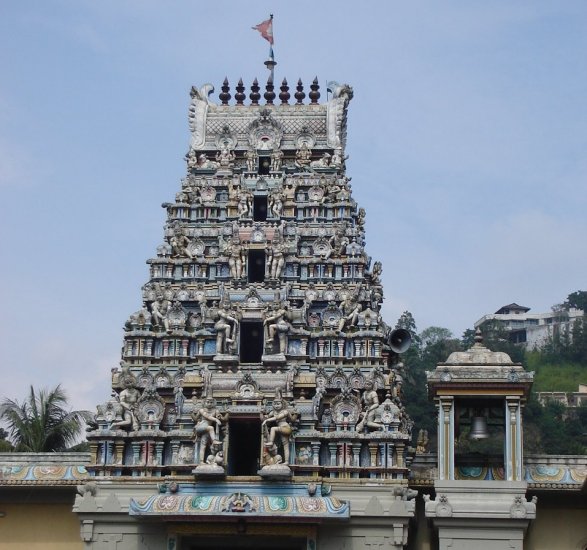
{"x": 255, "y": 96}
{"x": 314, "y": 94}
{"x": 300, "y": 95}
{"x": 269, "y": 95}
{"x": 240, "y": 95}
{"x": 478, "y": 337}
{"x": 224, "y": 95}
{"x": 284, "y": 94}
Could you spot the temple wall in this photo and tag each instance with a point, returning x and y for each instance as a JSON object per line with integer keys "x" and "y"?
{"x": 560, "y": 524}
{"x": 39, "y": 526}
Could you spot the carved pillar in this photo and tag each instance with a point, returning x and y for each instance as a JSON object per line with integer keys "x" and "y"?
{"x": 373, "y": 453}
{"x": 446, "y": 431}
{"x": 513, "y": 439}
{"x": 119, "y": 451}
{"x": 94, "y": 451}
{"x": 136, "y": 452}
{"x": 174, "y": 451}
{"x": 315, "y": 453}
{"x": 332, "y": 447}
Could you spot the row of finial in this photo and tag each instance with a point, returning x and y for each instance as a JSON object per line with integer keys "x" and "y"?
{"x": 269, "y": 94}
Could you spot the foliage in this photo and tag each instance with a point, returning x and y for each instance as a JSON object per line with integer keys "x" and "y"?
{"x": 577, "y": 299}
{"x": 496, "y": 338}
{"x": 555, "y": 375}
{"x": 430, "y": 347}
{"x": 41, "y": 423}
{"x": 5, "y": 446}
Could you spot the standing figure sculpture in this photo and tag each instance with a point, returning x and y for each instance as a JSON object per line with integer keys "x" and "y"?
{"x": 276, "y": 258}
{"x": 236, "y": 262}
{"x": 280, "y": 419}
{"x": 128, "y": 398}
{"x": 371, "y": 404}
{"x": 276, "y": 160}
{"x": 208, "y": 422}
{"x": 277, "y": 325}
{"x": 226, "y": 328}
{"x": 251, "y": 158}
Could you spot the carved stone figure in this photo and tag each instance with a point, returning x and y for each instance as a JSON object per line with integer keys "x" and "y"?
{"x": 225, "y": 158}
{"x": 276, "y": 258}
{"x": 276, "y": 160}
{"x": 350, "y": 309}
{"x": 251, "y": 158}
{"x": 179, "y": 399}
{"x": 322, "y": 162}
{"x": 371, "y": 404}
{"x": 277, "y": 325}
{"x": 180, "y": 242}
{"x": 245, "y": 205}
{"x": 226, "y": 327}
{"x": 128, "y": 398}
{"x": 278, "y": 423}
{"x": 361, "y": 215}
{"x": 303, "y": 156}
{"x": 337, "y": 158}
{"x": 208, "y": 423}
{"x": 376, "y": 273}
{"x": 236, "y": 258}
{"x": 276, "y": 204}
{"x": 160, "y": 310}
{"x": 204, "y": 163}
{"x": 338, "y": 243}
{"x": 317, "y": 399}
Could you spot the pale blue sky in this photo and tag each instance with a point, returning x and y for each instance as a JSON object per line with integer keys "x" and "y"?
{"x": 467, "y": 140}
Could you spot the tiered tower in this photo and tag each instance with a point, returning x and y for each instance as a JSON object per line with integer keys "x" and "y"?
{"x": 260, "y": 348}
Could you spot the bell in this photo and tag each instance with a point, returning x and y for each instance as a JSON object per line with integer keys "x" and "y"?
{"x": 479, "y": 428}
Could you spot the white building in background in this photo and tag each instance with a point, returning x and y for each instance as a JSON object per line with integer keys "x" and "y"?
{"x": 568, "y": 399}
{"x": 532, "y": 329}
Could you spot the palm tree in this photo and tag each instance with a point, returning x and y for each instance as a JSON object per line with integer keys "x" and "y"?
{"x": 41, "y": 423}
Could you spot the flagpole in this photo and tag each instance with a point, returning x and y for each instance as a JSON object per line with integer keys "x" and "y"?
{"x": 270, "y": 63}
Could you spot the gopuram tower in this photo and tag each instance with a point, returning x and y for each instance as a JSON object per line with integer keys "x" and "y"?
{"x": 259, "y": 393}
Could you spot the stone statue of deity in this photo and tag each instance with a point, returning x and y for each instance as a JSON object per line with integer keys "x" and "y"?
{"x": 128, "y": 398}
{"x": 370, "y": 405}
{"x": 277, "y": 325}
{"x": 278, "y": 424}
{"x": 209, "y": 422}
{"x": 226, "y": 328}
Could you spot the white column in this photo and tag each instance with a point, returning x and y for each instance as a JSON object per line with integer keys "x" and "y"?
{"x": 513, "y": 439}
{"x": 446, "y": 438}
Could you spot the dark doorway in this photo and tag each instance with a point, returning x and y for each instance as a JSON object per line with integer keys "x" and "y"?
{"x": 256, "y": 266}
{"x": 244, "y": 446}
{"x": 264, "y": 165}
{"x": 260, "y": 208}
{"x": 251, "y": 342}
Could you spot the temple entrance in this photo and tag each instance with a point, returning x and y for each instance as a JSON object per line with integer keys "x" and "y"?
{"x": 251, "y": 342}
{"x": 244, "y": 448}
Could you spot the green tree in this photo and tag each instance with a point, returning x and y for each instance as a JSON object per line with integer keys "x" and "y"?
{"x": 41, "y": 422}
{"x": 5, "y": 446}
{"x": 577, "y": 299}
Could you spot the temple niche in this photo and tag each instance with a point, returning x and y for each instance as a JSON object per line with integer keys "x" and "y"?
{"x": 259, "y": 352}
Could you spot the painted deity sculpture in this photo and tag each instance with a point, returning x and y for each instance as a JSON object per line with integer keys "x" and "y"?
{"x": 278, "y": 424}
{"x": 128, "y": 398}
{"x": 208, "y": 422}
